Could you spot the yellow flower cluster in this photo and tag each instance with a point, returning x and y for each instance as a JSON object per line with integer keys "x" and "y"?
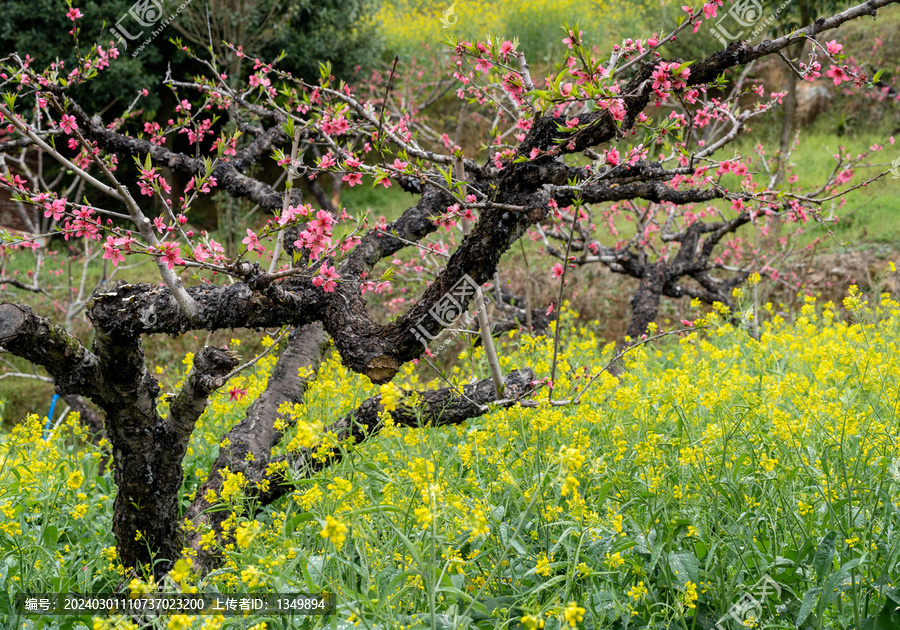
{"x": 334, "y": 530}
{"x": 704, "y": 444}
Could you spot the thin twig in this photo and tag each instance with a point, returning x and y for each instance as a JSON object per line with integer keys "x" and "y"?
{"x": 629, "y": 349}
{"x": 257, "y": 358}
{"x": 562, "y": 287}
{"x": 36, "y": 377}
{"x": 387, "y": 94}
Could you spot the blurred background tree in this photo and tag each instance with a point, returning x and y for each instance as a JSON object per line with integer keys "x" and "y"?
{"x": 308, "y": 31}
{"x": 343, "y": 32}
{"x": 41, "y": 29}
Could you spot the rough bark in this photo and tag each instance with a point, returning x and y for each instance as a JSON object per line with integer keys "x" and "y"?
{"x": 256, "y": 433}
{"x": 365, "y": 346}
{"x": 146, "y": 309}
{"x": 645, "y": 301}
{"x": 44, "y": 343}
{"x": 655, "y": 191}
{"x": 148, "y": 450}
{"x": 74, "y": 368}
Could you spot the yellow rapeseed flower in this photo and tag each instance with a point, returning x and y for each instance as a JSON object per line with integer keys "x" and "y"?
{"x": 390, "y": 396}
{"x": 182, "y": 570}
{"x": 250, "y": 576}
{"x": 689, "y": 595}
{"x": 543, "y": 565}
{"x": 75, "y": 480}
{"x": 334, "y": 530}
{"x": 637, "y": 591}
{"x": 573, "y": 613}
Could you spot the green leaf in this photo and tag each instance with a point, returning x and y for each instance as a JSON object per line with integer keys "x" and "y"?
{"x": 325, "y": 70}
{"x": 51, "y": 536}
{"x": 809, "y": 601}
{"x": 685, "y": 566}
{"x": 4, "y": 571}
{"x": 10, "y": 98}
{"x": 887, "y": 619}
{"x": 877, "y": 76}
{"x": 833, "y": 585}
{"x": 824, "y": 554}
{"x": 700, "y": 548}
{"x": 557, "y": 84}
{"x": 380, "y": 177}
{"x": 544, "y": 585}
{"x": 315, "y": 568}
{"x": 894, "y": 595}
{"x": 486, "y": 606}
{"x": 600, "y": 497}
{"x": 539, "y": 93}
{"x": 512, "y": 541}
{"x": 291, "y": 524}
{"x": 288, "y": 127}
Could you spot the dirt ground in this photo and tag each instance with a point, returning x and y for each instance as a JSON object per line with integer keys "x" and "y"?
{"x": 596, "y": 293}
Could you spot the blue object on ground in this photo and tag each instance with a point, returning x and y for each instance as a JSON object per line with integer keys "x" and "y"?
{"x": 50, "y": 415}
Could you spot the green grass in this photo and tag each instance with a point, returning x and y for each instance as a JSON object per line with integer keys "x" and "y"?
{"x": 389, "y": 203}
{"x": 871, "y": 214}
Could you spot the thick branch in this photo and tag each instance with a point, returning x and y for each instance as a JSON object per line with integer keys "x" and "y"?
{"x": 439, "y": 407}
{"x": 143, "y": 308}
{"x": 229, "y": 175}
{"x": 211, "y": 366}
{"x": 256, "y": 434}
{"x": 655, "y": 191}
{"x": 74, "y": 369}
{"x": 413, "y": 225}
{"x": 365, "y": 345}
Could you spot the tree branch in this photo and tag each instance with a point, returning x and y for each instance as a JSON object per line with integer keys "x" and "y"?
{"x": 211, "y": 366}
{"x": 73, "y": 367}
{"x": 439, "y": 407}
